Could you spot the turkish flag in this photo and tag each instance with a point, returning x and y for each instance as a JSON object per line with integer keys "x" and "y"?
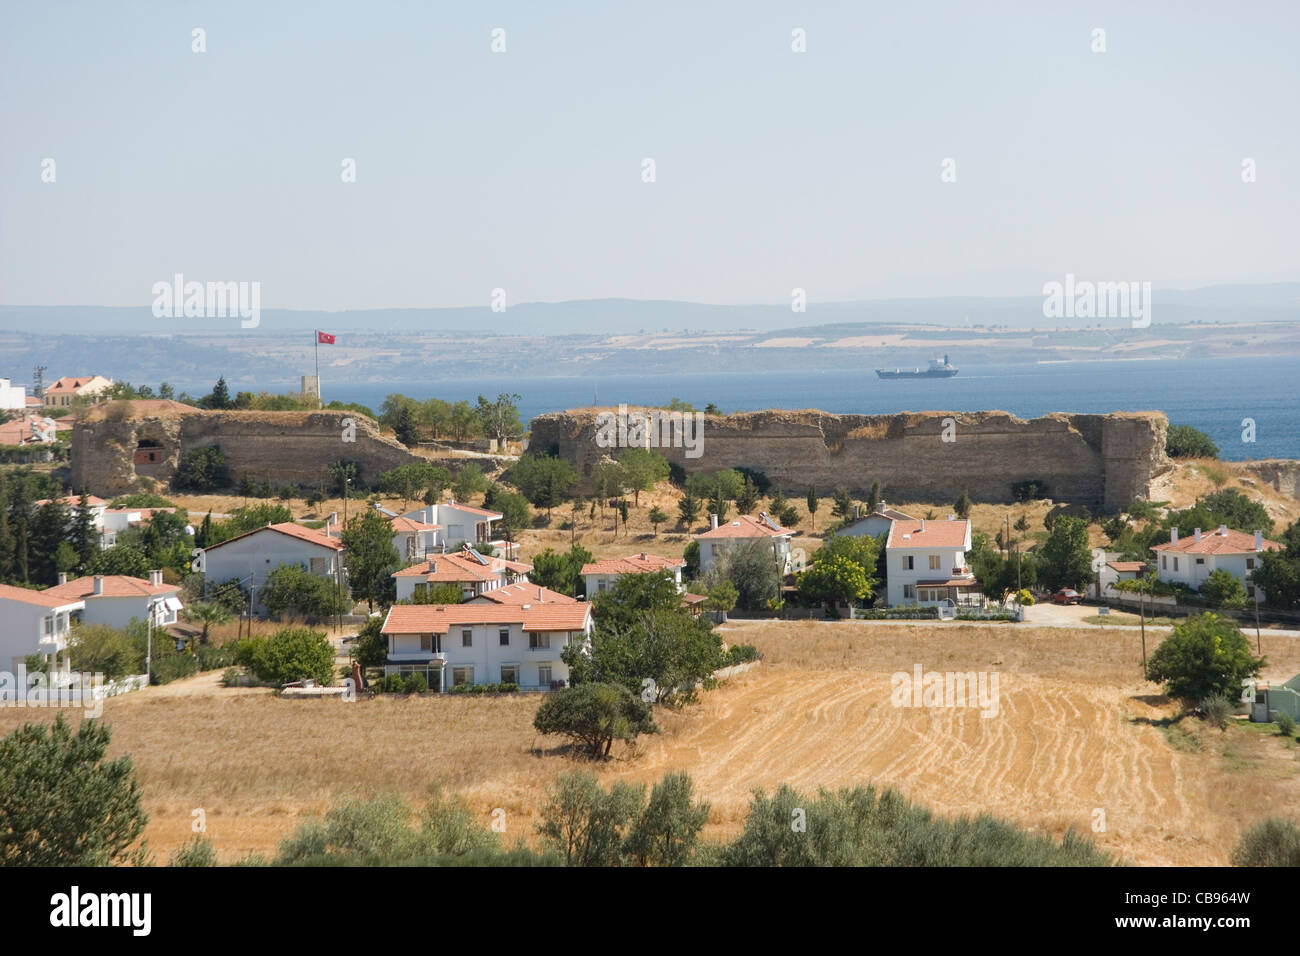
{"x": 324, "y": 338}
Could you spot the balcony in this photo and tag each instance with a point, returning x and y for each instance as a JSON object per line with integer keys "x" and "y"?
{"x": 403, "y": 657}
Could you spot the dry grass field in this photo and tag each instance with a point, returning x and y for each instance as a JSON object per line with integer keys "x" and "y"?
{"x": 1077, "y": 731}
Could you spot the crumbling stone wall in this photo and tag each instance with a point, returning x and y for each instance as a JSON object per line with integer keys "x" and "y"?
{"x": 1104, "y": 461}
{"x": 281, "y": 447}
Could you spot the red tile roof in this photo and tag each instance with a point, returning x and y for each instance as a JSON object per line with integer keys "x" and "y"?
{"x": 438, "y": 618}
{"x": 70, "y": 384}
{"x": 747, "y": 527}
{"x": 461, "y": 566}
{"x": 937, "y": 534}
{"x": 39, "y": 598}
{"x": 310, "y": 535}
{"x": 526, "y": 594}
{"x": 474, "y": 511}
{"x": 400, "y": 524}
{"x": 115, "y": 585}
{"x": 73, "y": 501}
{"x": 1212, "y": 542}
{"x": 633, "y": 564}
{"x": 1123, "y": 567}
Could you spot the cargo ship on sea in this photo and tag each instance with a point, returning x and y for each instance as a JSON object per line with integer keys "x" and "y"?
{"x": 937, "y": 369}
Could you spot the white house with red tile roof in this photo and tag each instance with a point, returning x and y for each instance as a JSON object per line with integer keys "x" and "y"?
{"x": 1112, "y": 572}
{"x": 484, "y": 643}
{"x": 463, "y": 524}
{"x": 475, "y": 573}
{"x": 925, "y": 562}
{"x": 253, "y": 555}
{"x": 720, "y": 538}
{"x": 34, "y": 622}
{"x": 116, "y": 599}
{"x": 604, "y": 574}
{"x": 1191, "y": 560}
{"x": 62, "y": 392}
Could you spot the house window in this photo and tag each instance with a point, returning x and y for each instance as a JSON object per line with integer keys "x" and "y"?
{"x": 1200, "y": 560}
{"x": 539, "y": 641}
{"x": 909, "y": 563}
{"x": 544, "y": 675}
{"x": 1250, "y": 591}
{"x": 462, "y": 675}
{"x": 1250, "y": 564}
{"x": 47, "y": 625}
{"x": 1175, "y": 564}
{"x": 318, "y": 566}
{"x": 1164, "y": 562}
{"x": 909, "y": 590}
{"x": 467, "y": 638}
{"x": 934, "y": 562}
{"x": 510, "y": 673}
{"x": 426, "y": 642}
{"x": 600, "y": 584}
{"x": 504, "y": 635}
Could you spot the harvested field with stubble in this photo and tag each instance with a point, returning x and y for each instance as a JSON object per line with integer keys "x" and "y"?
{"x": 1077, "y": 731}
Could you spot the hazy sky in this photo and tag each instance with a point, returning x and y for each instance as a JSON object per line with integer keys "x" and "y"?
{"x": 523, "y": 169}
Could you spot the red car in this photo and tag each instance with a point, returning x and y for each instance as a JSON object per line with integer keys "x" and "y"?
{"x": 1066, "y": 596}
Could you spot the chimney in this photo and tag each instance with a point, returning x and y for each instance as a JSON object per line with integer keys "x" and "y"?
{"x": 539, "y": 593}
{"x": 922, "y": 525}
{"x": 1173, "y": 535}
{"x": 63, "y": 575}
{"x": 713, "y": 522}
{"x": 99, "y": 584}
{"x": 1196, "y": 535}
{"x": 1223, "y": 530}
{"x": 1259, "y": 541}
{"x": 155, "y": 578}
{"x": 333, "y": 520}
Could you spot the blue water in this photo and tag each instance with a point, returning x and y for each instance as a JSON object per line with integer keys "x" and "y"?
{"x": 1214, "y": 395}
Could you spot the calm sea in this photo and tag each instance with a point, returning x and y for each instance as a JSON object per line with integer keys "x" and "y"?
{"x": 1214, "y": 395}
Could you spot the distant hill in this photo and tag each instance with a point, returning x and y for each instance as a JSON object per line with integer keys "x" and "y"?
{"x": 1224, "y": 303}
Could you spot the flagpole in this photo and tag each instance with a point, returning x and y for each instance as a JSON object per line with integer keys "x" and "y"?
{"x": 319, "y": 402}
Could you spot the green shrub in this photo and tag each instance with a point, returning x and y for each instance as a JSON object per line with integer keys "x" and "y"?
{"x": 392, "y": 684}
{"x": 595, "y": 715}
{"x": 1029, "y": 490}
{"x": 195, "y": 852}
{"x": 99, "y": 649}
{"x": 173, "y": 667}
{"x": 210, "y": 657}
{"x": 741, "y": 654}
{"x": 1272, "y": 842}
{"x": 898, "y": 613}
{"x": 1217, "y": 711}
{"x": 290, "y": 654}
{"x": 416, "y": 684}
{"x": 1285, "y": 724}
{"x": 61, "y": 802}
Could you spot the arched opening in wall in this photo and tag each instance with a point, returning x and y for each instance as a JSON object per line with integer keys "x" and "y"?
{"x": 148, "y": 452}
{"x": 154, "y": 453}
